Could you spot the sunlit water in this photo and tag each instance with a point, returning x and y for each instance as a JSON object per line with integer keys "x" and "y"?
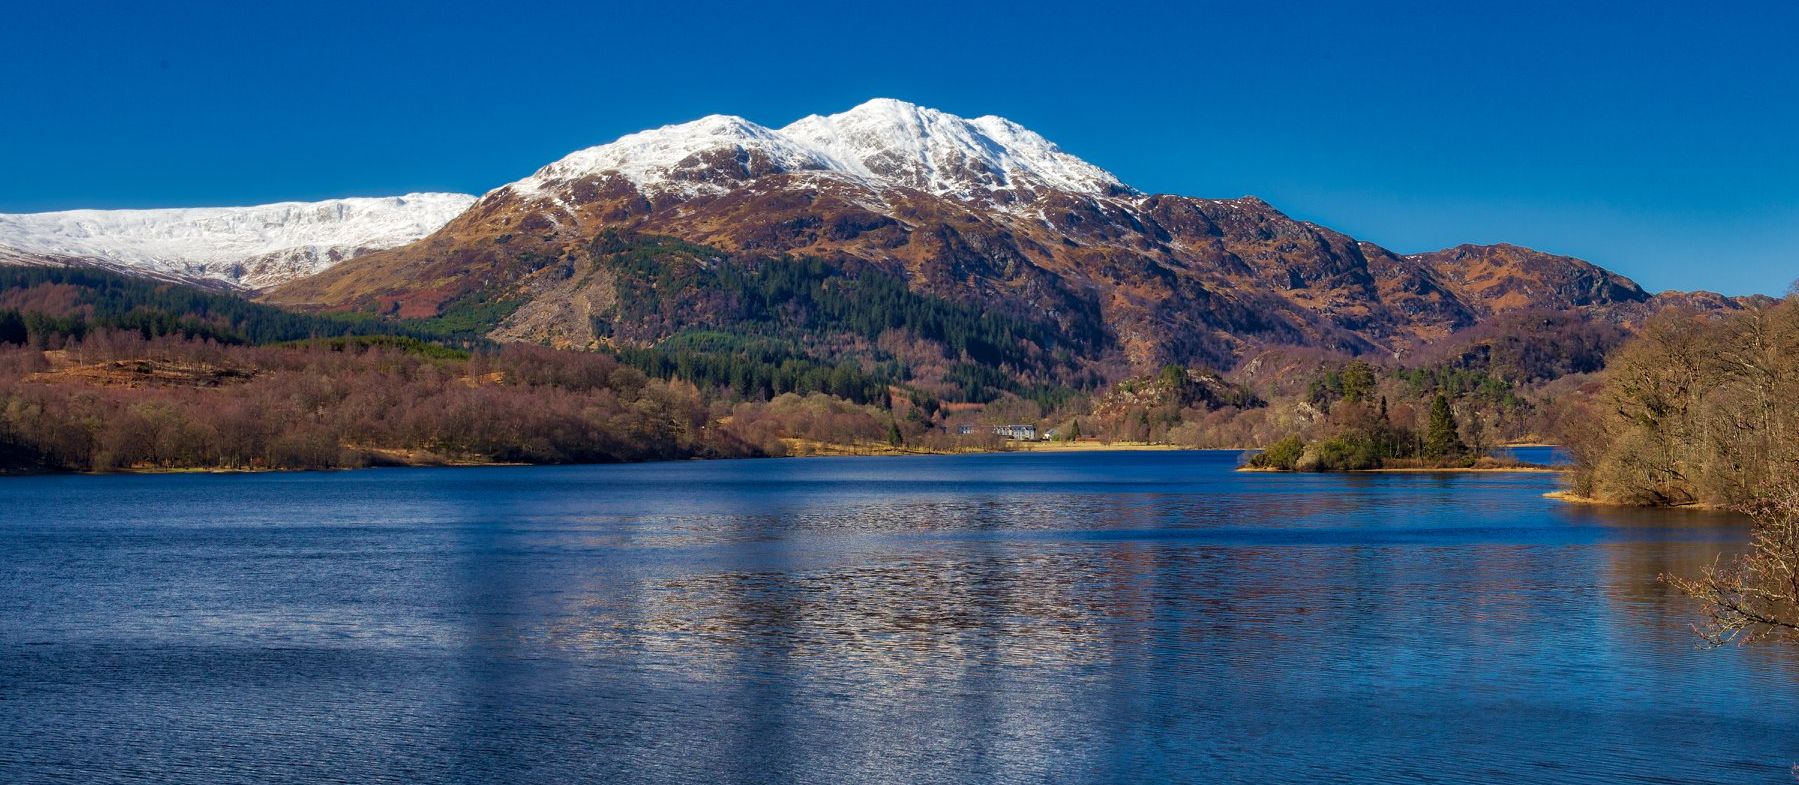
{"x": 996, "y": 618}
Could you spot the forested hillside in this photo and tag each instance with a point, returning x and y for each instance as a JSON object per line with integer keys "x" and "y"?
{"x": 704, "y": 353}
{"x": 100, "y": 372}
{"x": 762, "y": 326}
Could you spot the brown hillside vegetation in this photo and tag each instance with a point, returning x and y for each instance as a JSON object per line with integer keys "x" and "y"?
{"x": 119, "y": 401}
{"x": 1697, "y": 409}
{"x": 143, "y": 372}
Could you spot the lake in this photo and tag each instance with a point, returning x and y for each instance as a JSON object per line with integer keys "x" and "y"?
{"x": 1079, "y": 618}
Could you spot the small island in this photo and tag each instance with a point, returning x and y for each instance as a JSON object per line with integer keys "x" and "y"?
{"x": 1364, "y": 436}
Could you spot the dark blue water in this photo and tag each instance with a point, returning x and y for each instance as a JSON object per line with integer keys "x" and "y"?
{"x": 1538, "y": 454}
{"x": 1146, "y": 617}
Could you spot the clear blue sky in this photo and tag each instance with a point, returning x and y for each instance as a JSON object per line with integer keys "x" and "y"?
{"x": 1658, "y": 139}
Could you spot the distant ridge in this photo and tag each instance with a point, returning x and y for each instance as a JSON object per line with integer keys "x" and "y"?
{"x": 249, "y": 247}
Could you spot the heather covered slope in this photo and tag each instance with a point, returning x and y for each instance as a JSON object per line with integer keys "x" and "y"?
{"x": 1504, "y": 277}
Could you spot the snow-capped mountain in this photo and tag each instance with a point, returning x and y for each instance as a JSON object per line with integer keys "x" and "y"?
{"x": 871, "y": 149}
{"x": 981, "y": 212}
{"x": 881, "y": 144}
{"x": 249, "y": 247}
{"x": 894, "y": 143}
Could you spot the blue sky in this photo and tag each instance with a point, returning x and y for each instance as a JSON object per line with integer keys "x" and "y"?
{"x": 1658, "y": 139}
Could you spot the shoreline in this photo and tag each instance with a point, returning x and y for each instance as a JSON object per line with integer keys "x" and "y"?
{"x": 399, "y": 459}
{"x": 1104, "y": 447}
{"x": 1469, "y": 470}
{"x": 386, "y": 458}
{"x": 392, "y": 458}
{"x": 1419, "y": 470}
{"x": 1572, "y": 498}
{"x": 801, "y": 448}
{"x": 1567, "y": 497}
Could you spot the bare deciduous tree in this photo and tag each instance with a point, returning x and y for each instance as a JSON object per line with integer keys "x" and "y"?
{"x": 1754, "y": 596}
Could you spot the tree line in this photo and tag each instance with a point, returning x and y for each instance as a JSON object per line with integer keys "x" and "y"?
{"x": 46, "y": 306}
{"x": 1697, "y": 409}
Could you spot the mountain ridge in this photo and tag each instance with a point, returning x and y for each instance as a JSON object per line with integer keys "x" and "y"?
{"x": 248, "y": 247}
{"x": 882, "y": 143}
{"x": 980, "y": 212}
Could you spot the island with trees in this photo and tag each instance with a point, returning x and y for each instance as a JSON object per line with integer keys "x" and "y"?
{"x": 1362, "y": 433}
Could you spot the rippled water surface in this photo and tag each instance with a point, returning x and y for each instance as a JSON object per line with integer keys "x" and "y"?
{"x": 996, "y": 618}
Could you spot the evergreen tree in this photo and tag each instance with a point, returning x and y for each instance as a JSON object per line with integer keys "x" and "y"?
{"x": 1358, "y": 381}
{"x": 12, "y": 328}
{"x": 1442, "y": 438}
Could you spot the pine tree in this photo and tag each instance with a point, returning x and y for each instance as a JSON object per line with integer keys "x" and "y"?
{"x": 1358, "y": 381}
{"x": 1442, "y": 439}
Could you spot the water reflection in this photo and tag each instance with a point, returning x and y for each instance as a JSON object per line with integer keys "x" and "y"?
{"x": 1147, "y": 617}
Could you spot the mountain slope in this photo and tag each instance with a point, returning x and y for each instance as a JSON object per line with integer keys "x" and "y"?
{"x": 249, "y": 247}
{"x": 1507, "y": 277}
{"x": 982, "y": 213}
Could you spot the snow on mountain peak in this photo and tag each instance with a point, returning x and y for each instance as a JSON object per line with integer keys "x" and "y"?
{"x": 882, "y": 143}
{"x": 254, "y": 247}
{"x": 918, "y": 147}
{"x": 685, "y": 157}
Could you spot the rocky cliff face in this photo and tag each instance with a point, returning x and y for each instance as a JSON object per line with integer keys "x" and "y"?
{"x": 1505, "y": 277}
{"x": 981, "y": 212}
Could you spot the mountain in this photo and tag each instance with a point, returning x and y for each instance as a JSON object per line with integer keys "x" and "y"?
{"x": 880, "y": 145}
{"x": 981, "y": 213}
{"x": 245, "y": 247}
{"x": 1507, "y": 277}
